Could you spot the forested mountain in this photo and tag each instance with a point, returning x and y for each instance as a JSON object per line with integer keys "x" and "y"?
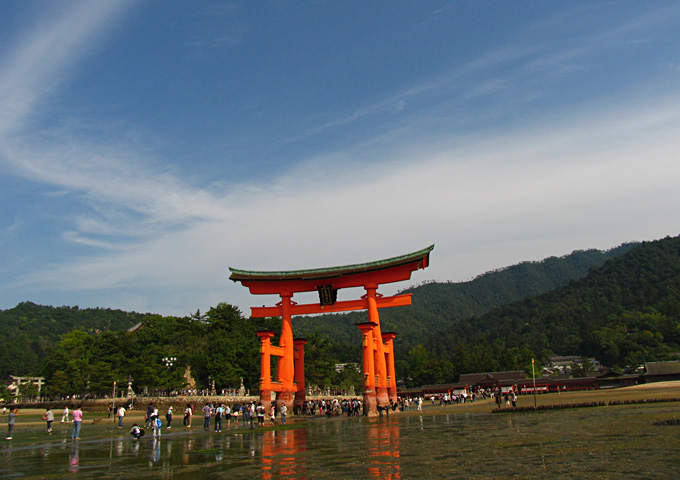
{"x": 28, "y": 329}
{"x": 437, "y": 306}
{"x": 626, "y": 312}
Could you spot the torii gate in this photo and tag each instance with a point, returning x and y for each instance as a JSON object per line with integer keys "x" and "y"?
{"x": 377, "y": 347}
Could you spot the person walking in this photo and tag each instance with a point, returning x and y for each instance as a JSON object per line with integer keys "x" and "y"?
{"x": 64, "y": 416}
{"x": 260, "y": 411}
{"x": 168, "y": 416}
{"x": 245, "y": 414}
{"x": 155, "y": 422}
{"x": 207, "y": 412}
{"x": 49, "y": 418}
{"x": 227, "y": 414}
{"x": 272, "y": 414}
{"x": 284, "y": 410}
{"x": 10, "y": 422}
{"x": 188, "y": 412}
{"x": 149, "y": 412}
{"x": 218, "y": 418}
{"x": 121, "y": 413}
{"x": 253, "y": 417}
{"x": 77, "y": 423}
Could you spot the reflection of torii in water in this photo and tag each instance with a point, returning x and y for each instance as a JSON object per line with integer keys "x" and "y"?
{"x": 378, "y": 351}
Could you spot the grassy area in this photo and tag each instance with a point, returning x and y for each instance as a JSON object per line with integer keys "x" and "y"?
{"x": 665, "y": 390}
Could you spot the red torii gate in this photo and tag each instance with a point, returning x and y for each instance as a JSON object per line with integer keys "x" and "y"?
{"x": 377, "y": 347}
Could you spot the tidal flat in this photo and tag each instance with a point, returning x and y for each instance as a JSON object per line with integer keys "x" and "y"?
{"x": 440, "y": 442}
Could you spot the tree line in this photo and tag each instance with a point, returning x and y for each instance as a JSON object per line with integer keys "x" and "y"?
{"x": 216, "y": 349}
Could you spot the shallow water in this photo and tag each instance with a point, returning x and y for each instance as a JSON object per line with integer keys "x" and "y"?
{"x": 604, "y": 442}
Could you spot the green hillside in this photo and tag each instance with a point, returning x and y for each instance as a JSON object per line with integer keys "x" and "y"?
{"x": 626, "y": 312}
{"x": 437, "y": 306}
{"x": 28, "y": 329}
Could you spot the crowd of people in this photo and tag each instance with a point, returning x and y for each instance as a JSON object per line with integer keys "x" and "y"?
{"x": 48, "y": 417}
{"x": 217, "y": 415}
{"x": 329, "y": 407}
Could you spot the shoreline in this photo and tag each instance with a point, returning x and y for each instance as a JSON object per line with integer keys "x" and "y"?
{"x": 669, "y": 390}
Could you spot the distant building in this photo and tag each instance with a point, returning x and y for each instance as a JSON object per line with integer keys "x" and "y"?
{"x": 516, "y": 380}
{"x": 339, "y": 367}
{"x": 661, "y": 371}
{"x": 135, "y": 328}
{"x": 17, "y": 382}
{"x": 564, "y": 364}
{"x": 612, "y": 379}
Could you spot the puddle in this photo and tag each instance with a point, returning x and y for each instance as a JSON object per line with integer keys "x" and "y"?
{"x": 603, "y": 442}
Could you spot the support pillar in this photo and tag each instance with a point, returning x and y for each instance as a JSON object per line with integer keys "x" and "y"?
{"x": 265, "y": 367}
{"x": 382, "y": 397}
{"x": 300, "y": 393}
{"x": 368, "y": 364}
{"x": 285, "y": 371}
{"x": 388, "y": 338}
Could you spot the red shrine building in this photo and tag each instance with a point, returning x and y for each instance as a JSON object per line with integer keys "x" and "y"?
{"x": 379, "y": 377}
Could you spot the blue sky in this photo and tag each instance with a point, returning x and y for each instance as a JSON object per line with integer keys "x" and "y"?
{"x": 147, "y": 146}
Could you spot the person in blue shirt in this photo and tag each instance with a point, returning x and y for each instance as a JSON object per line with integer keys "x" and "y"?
{"x": 218, "y": 418}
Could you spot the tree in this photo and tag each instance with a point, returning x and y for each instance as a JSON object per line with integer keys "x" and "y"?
{"x": 418, "y": 358}
{"x": 349, "y": 378}
{"x": 72, "y": 357}
{"x": 230, "y": 348}
{"x": 319, "y": 362}
{"x": 5, "y": 394}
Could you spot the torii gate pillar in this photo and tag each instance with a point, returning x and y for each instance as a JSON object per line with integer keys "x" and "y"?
{"x": 388, "y": 340}
{"x": 378, "y": 348}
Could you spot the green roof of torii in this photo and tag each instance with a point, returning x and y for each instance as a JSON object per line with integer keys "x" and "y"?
{"x": 240, "y": 275}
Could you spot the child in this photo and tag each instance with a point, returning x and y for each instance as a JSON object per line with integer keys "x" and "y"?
{"x": 156, "y": 426}
{"x": 137, "y": 432}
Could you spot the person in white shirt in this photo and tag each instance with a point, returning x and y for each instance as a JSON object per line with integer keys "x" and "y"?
{"x": 121, "y": 414}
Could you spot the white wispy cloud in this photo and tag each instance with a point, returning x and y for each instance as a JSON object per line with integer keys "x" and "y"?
{"x": 526, "y": 190}
{"x": 47, "y": 54}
